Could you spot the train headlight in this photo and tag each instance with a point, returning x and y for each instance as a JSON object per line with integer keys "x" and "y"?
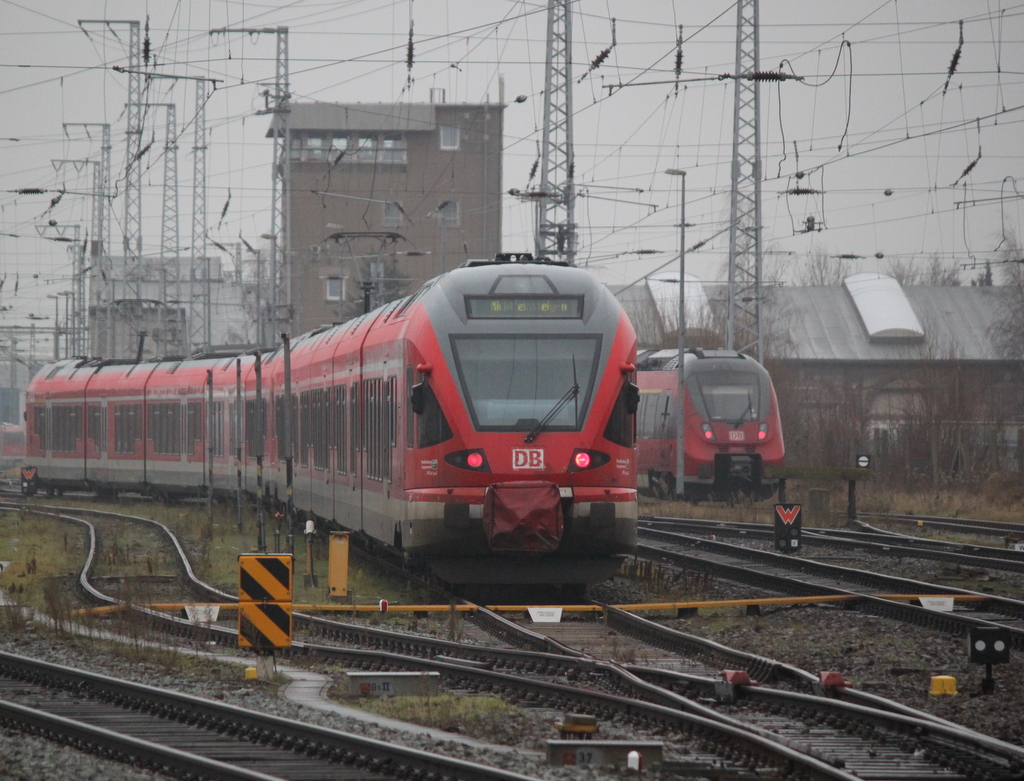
{"x": 473, "y": 460}
{"x": 708, "y": 433}
{"x": 762, "y": 431}
{"x": 587, "y": 459}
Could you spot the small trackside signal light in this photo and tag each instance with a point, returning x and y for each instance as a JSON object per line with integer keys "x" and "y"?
{"x": 474, "y": 460}
{"x": 582, "y": 459}
{"x": 708, "y": 433}
{"x": 762, "y": 431}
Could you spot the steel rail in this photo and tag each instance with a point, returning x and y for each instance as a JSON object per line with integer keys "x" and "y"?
{"x": 251, "y": 725}
{"x": 119, "y": 747}
{"x": 947, "y": 622}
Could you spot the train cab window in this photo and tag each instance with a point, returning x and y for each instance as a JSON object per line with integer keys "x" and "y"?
{"x": 621, "y": 424}
{"x": 511, "y": 383}
{"x": 731, "y": 396}
{"x": 433, "y": 428}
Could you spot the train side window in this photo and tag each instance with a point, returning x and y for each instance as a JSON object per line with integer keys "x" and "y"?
{"x": 410, "y": 417}
{"x": 217, "y": 428}
{"x": 433, "y": 425}
{"x": 666, "y": 422}
{"x": 97, "y": 432}
{"x": 392, "y": 411}
{"x": 622, "y": 422}
{"x": 340, "y": 421}
{"x": 304, "y": 428}
{"x": 354, "y": 430}
{"x": 321, "y": 431}
{"x": 39, "y": 425}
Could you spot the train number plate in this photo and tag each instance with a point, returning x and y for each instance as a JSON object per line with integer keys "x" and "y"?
{"x": 527, "y": 458}
{"x": 736, "y": 436}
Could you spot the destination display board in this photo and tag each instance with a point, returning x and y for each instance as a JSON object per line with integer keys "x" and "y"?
{"x": 530, "y": 307}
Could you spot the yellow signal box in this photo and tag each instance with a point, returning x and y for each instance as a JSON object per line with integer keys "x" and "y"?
{"x": 337, "y": 564}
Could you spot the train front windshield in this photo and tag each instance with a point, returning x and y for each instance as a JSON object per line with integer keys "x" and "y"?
{"x": 512, "y": 383}
{"x": 731, "y": 395}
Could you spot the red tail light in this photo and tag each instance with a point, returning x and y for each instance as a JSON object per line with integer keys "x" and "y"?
{"x": 587, "y": 459}
{"x": 762, "y": 431}
{"x": 708, "y": 433}
{"x": 474, "y": 460}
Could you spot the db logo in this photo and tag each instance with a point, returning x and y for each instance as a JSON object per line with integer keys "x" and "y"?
{"x": 527, "y": 458}
{"x": 736, "y": 436}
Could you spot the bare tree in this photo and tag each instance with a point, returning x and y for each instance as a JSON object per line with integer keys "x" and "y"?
{"x": 1008, "y": 331}
{"x": 937, "y": 273}
{"x": 822, "y": 270}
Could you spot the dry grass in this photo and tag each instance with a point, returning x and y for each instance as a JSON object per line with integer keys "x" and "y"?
{"x": 480, "y": 716}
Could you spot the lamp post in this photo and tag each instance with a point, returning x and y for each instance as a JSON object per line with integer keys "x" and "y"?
{"x": 680, "y": 400}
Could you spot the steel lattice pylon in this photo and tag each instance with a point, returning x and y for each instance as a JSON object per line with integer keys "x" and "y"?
{"x": 130, "y": 304}
{"x": 744, "y": 326}
{"x": 281, "y": 302}
{"x": 556, "y": 227}
{"x": 198, "y": 292}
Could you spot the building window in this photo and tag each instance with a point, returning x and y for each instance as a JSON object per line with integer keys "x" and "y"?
{"x": 316, "y": 148}
{"x": 366, "y": 149}
{"x": 339, "y": 145}
{"x": 392, "y": 217}
{"x": 335, "y": 288}
{"x": 448, "y": 212}
{"x": 450, "y": 136}
{"x": 392, "y": 149}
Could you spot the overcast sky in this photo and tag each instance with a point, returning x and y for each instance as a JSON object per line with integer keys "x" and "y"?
{"x": 873, "y": 125}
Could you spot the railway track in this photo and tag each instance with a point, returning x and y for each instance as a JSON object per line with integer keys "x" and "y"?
{"x": 796, "y": 576}
{"x": 735, "y": 729}
{"x": 864, "y": 538}
{"x": 178, "y": 733}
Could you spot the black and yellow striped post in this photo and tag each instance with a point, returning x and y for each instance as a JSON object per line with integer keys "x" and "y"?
{"x": 265, "y": 601}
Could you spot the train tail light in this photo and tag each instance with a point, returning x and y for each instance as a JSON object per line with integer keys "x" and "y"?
{"x": 473, "y": 460}
{"x": 762, "y": 432}
{"x": 708, "y": 433}
{"x": 587, "y": 459}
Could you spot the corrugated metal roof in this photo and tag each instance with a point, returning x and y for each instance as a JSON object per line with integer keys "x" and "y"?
{"x": 823, "y": 324}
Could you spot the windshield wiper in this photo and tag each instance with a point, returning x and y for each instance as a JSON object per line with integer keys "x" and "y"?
{"x": 748, "y": 411}
{"x": 572, "y": 393}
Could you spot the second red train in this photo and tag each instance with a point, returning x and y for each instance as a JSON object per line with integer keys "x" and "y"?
{"x": 733, "y": 429}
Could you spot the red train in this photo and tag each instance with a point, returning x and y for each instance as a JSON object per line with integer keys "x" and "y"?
{"x": 732, "y": 430}
{"x": 484, "y": 425}
{"x": 12, "y": 445}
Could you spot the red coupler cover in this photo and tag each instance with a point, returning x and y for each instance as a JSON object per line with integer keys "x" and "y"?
{"x": 523, "y": 516}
